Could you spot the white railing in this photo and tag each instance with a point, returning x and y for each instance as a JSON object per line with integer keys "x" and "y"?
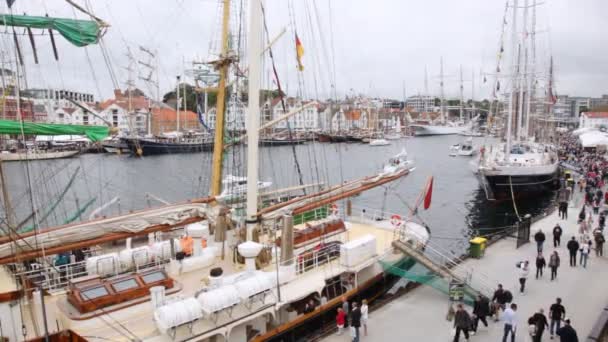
{"x": 57, "y": 277}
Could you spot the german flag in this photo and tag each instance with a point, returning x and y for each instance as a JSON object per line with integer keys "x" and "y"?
{"x": 299, "y": 52}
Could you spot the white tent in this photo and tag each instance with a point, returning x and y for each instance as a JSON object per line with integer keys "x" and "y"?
{"x": 594, "y": 139}
{"x": 583, "y": 130}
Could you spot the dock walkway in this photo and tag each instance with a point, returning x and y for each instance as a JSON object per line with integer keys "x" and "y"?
{"x": 421, "y": 314}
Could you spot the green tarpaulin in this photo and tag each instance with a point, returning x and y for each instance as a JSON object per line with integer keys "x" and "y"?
{"x": 94, "y": 133}
{"x": 77, "y": 32}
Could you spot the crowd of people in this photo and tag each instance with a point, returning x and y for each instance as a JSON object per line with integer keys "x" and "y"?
{"x": 586, "y": 178}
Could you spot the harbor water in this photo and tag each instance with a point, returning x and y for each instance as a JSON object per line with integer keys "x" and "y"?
{"x": 458, "y": 204}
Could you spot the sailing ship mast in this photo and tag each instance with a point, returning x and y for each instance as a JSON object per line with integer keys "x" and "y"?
{"x": 513, "y": 80}
{"x": 531, "y": 82}
{"x": 218, "y": 145}
{"x": 443, "y": 119}
{"x": 253, "y": 114}
{"x": 523, "y": 76}
{"x": 461, "y": 95}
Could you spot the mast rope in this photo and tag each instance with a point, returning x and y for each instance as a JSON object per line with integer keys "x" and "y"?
{"x": 513, "y": 199}
{"x": 282, "y": 98}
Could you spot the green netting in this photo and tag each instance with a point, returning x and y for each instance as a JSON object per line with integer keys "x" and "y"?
{"x": 423, "y": 276}
{"x": 94, "y": 133}
{"x": 77, "y": 32}
{"x": 315, "y": 214}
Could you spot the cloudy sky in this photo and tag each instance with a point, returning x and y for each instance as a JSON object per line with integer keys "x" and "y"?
{"x": 378, "y": 47}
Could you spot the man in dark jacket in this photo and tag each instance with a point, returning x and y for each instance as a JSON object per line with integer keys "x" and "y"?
{"x": 540, "y": 264}
{"x": 599, "y": 243}
{"x": 355, "y": 320}
{"x": 462, "y": 322}
{"x": 481, "y": 309}
{"x": 539, "y": 237}
{"x": 573, "y": 247}
{"x": 540, "y": 320}
{"x": 557, "y": 235}
{"x": 498, "y": 301}
{"x": 567, "y": 333}
{"x": 557, "y": 312}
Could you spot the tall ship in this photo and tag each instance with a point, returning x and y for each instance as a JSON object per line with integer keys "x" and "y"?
{"x": 206, "y": 269}
{"x": 521, "y": 165}
{"x": 442, "y": 125}
{"x": 168, "y": 144}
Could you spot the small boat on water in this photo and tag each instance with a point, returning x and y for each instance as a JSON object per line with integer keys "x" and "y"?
{"x": 332, "y": 138}
{"x": 115, "y": 145}
{"x": 379, "y": 142}
{"x": 454, "y": 150}
{"x": 281, "y": 141}
{"x": 467, "y": 149}
{"x": 35, "y": 154}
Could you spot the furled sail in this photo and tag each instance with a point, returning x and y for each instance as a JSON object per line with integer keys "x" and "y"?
{"x": 78, "y": 32}
{"x": 94, "y": 133}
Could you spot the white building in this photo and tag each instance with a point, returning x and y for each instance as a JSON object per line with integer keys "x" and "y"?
{"x": 235, "y": 119}
{"x": 305, "y": 120}
{"x": 594, "y": 120}
{"x": 420, "y": 103}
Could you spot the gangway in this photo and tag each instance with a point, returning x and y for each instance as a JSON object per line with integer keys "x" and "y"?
{"x": 438, "y": 263}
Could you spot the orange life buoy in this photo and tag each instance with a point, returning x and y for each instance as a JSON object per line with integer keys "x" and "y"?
{"x": 396, "y": 220}
{"x": 333, "y": 209}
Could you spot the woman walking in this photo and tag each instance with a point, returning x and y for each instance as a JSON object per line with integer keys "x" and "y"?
{"x": 554, "y": 264}
{"x": 364, "y": 316}
{"x": 585, "y": 249}
{"x": 524, "y": 270}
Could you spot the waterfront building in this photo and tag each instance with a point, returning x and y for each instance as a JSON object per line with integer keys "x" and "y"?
{"x": 305, "y": 120}
{"x": 420, "y": 103}
{"x": 594, "y": 120}
{"x": 235, "y": 119}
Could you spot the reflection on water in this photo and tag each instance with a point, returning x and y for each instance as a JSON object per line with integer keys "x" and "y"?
{"x": 458, "y": 202}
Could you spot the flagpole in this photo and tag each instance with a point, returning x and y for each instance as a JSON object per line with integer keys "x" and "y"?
{"x": 420, "y": 198}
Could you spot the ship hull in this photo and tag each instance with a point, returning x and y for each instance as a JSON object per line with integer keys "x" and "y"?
{"x": 315, "y": 324}
{"x": 145, "y": 147}
{"x": 507, "y": 186}
{"x": 422, "y": 130}
{"x": 281, "y": 142}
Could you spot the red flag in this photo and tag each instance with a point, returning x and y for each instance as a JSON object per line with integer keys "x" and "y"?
{"x": 429, "y": 194}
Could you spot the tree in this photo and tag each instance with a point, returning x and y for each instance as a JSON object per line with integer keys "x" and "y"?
{"x": 169, "y": 98}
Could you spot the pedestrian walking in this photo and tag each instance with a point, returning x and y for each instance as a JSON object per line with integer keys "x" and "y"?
{"x": 355, "y": 321}
{"x": 573, "y": 247}
{"x": 582, "y": 214}
{"x": 540, "y": 323}
{"x": 557, "y": 235}
{"x": 481, "y": 309}
{"x": 510, "y": 319}
{"x": 499, "y": 301}
{"x": 524, "y": 271}
{"x": 567, "y": 333}
{"x": 554, "y": 264}
{"x": 346, "y": 309}
{"x": 599, "y": 243}
{"x": 539, "y": 237}
{"x": 462, "y": 322}
{"x": 364, "y": 315}
{"x": 585, "y": 249}
{"x": 340, "y": 319}
{"x": 540, "y": 264}
{"x": 557, "y": 312}
{"x": 563, "y": 198}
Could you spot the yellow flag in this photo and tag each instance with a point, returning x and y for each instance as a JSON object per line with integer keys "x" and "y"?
{"x": 299, "y": 53}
